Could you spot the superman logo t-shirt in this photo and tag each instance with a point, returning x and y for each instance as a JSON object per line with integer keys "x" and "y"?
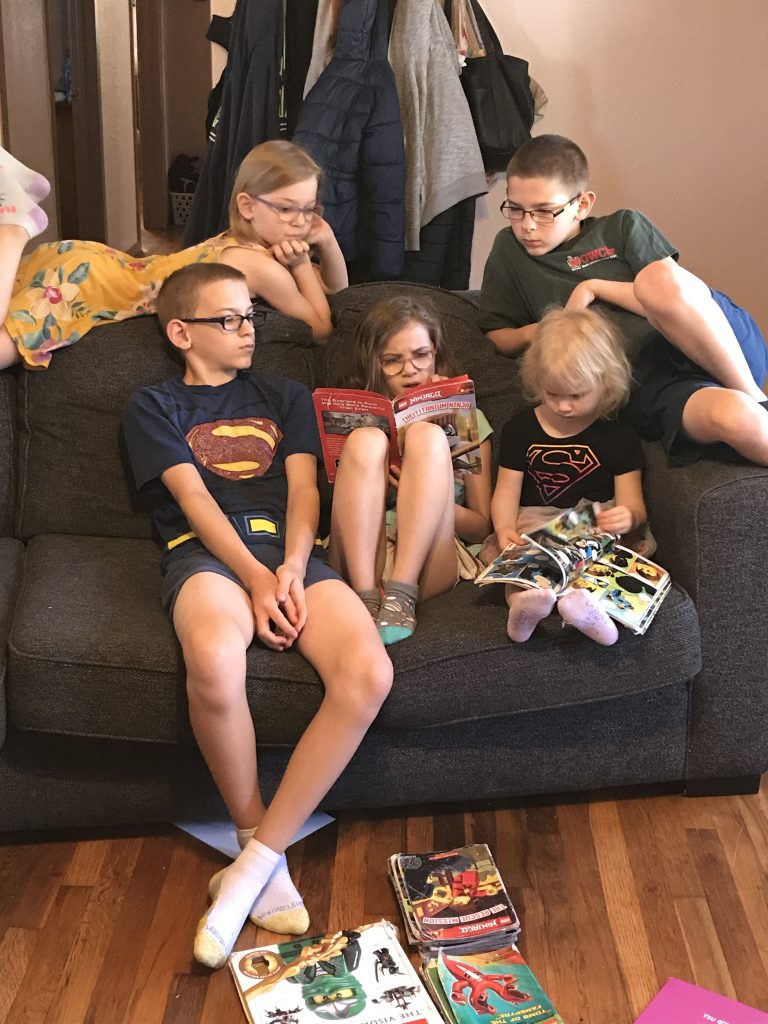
{"x": 559, "y": 471}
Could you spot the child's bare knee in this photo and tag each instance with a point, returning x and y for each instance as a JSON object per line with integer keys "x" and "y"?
{"x": 365, "y": 446}
{"x": 427, "y": 440}
{"x": 657, "y": 288}
{"x": 367, "y": 682}
{"x": 215, "y": 662}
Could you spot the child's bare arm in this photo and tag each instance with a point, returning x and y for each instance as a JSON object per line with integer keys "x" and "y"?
{"x": 617, "y": 293}
{"x": 512, "y": 341}
{"x": 629, "y": 511}
{"x": 333, "y": 268}
{"x": 505, "y": 506}
{"x": 301, "y": 519}
{"x": 215, "y": 531}
{"x": 473, "y": 519}
{"x": 291, "y": 286}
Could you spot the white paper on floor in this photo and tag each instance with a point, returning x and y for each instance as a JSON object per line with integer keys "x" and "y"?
{"x": 221, "y": 834}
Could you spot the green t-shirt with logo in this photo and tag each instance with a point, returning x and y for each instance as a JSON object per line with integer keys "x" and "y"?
{"x": 518, "y": 288}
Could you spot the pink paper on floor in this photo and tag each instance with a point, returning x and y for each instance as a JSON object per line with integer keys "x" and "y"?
{"x": 681, "y": 1003}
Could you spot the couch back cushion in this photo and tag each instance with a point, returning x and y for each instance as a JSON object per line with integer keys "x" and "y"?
{"x": 497, "y": 379}
{"x": 72, "y": 475}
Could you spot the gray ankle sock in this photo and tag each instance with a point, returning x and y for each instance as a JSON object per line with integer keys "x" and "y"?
{"x": 371, "y": 599}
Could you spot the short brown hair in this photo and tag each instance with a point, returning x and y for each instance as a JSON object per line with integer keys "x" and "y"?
{"x": 574, "y": 349}
{"x": 554, "y": 157}
{"x": 382, "y": 321}
{"x": 272, "y": 165}
{"x": 180, "y": 292}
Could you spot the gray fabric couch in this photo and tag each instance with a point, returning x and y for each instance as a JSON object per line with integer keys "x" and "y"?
{"x": 93, "y": 722}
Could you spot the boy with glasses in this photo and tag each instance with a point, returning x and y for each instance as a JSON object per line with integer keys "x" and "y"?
{"x": 699, "y": 360}
{"x": 227, "y": 460}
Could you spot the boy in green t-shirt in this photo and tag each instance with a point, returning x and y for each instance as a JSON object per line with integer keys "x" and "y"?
{"x": 699, "y": 360}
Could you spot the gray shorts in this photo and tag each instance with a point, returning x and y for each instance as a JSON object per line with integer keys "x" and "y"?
{"x": 177, "y": 569}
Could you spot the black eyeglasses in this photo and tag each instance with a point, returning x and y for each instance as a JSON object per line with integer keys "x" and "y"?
{"x": 516, "y": 213}
{"x": 231, "y": 323}
{"x": 288, "y": 214}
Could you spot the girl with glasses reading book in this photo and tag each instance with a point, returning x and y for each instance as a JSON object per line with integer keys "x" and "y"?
{"x": 400, "y": 534}
{"x": 52, "y": 297}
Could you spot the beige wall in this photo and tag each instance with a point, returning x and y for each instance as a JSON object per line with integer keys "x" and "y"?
{"x": 113, "y": 30}
{"x": 669, "y": 99}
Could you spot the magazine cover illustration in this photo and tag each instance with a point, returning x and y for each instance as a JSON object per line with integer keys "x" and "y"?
{"x": 456, "y": 895}
{"x": 451, "y": 404}
{"x": 494, "y": 985}
{"x": 362, "y": 974}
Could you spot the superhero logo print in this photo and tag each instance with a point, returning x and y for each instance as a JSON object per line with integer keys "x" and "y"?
{"x": 235, "y": 449}
{"x": 556, "y": 467}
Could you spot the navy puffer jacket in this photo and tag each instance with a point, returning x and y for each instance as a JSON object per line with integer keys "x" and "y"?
{"x": 350, "y": 123}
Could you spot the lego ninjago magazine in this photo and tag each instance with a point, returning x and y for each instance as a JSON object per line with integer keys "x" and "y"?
{"x": 453, "y": 896}
{"x": 364, "y": 973}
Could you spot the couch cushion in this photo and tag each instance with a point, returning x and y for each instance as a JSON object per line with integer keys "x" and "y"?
{"x": 11, "y": 561}
{"x": 69, "y": 420}
{"x": 107, "y": 663}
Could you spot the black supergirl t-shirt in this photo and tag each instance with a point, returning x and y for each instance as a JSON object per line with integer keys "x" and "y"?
{"x": 559, "y": 471}
{"x": 238, "y": 436}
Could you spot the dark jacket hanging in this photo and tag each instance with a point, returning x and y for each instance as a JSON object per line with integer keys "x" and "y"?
{"x": 248, "y": 113}
{"x": 350, "y": 123}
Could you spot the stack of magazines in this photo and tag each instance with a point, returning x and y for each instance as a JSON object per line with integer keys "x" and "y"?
{"x": 459, "y": 915}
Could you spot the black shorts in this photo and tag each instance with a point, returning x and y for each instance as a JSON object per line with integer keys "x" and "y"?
{"x": 666, "y": 379}
{"x": 178, "y": 568}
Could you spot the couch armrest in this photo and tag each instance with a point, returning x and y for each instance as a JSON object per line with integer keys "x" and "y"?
{"x": 709, "y": 521}
{"x": 11, "y": 566}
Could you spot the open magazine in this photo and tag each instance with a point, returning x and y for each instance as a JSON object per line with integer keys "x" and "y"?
{"x": 571, "y": 551}
{"x": 450, "y": 402}
{"x": 362, "y": 973}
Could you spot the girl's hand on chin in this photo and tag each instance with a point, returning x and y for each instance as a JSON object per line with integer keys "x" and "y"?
{"x": 319, "y": 232}
{"x": 291, "y": 252}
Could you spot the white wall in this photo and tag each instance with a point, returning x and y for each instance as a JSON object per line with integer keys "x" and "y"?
{"x": 669, "y": 99}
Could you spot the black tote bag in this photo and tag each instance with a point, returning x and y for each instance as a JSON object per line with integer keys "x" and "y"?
{"x": 498, "y": 92}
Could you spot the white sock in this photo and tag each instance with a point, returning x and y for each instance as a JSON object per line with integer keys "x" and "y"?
{"x": 16, "y": 207}
{"x": 278, "y": 907}
{"x": 241, "y": 882}
{"x": 35, "y": 185}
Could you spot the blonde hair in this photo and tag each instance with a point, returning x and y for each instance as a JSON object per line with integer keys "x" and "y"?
{"x": 383, "y": 321}
{"x": 577, "y": 349}
{"x": 270, "y": 166}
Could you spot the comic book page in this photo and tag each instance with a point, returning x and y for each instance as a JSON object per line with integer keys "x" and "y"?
{"x": 495, "y": 985}
{"x": 362, "y": 974}
{"x": 554, "y": 555}
{"x": 339, "y": 411}
{"x": 627, "y": 586}
{"x": 451, "y": 404}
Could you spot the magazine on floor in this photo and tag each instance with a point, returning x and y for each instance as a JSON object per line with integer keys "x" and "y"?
{"x": 571, "y": 551}
{"x": 362, "y": 973}
{"x": 683, "y": 1003}
{"x": 453, "y": 896}
{"x": 449, "y": 402}
{"x": 490, "y": 985}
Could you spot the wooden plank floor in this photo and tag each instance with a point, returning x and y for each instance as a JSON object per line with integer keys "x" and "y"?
{"x": 614, "y": 897}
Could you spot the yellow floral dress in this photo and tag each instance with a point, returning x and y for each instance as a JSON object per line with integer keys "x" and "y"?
{"x": 63, "y": 289}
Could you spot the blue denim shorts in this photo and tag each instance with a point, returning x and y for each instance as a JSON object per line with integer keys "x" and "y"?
{"x": 667, "y": 378}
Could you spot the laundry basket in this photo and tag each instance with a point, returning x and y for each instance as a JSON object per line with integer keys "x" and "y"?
{"x": 181, "y": 204}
